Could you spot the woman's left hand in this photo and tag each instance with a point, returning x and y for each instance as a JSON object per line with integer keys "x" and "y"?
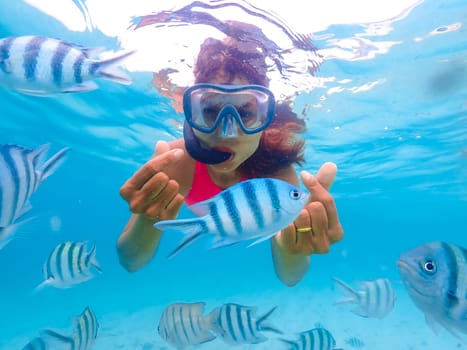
{"x": 317, "y": 226}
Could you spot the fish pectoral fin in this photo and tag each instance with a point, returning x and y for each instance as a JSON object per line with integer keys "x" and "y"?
{"x": 83, "y": 87}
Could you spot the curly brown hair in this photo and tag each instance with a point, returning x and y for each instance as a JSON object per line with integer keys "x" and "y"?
{"x": 279, "y": 146}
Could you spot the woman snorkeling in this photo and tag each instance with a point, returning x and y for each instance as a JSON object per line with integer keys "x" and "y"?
{"x": 234, "y": 130}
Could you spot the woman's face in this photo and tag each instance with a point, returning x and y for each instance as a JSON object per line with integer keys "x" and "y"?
{"x": 242, "y": 146}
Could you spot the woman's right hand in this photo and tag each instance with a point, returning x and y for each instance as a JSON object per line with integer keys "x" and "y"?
{"x": 150, "y": 191}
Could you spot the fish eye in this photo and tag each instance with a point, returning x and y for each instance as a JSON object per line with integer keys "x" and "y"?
{"x": 429, "y": 266}
{"x": 294, "y": 194}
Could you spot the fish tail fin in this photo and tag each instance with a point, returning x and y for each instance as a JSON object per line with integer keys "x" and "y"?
{"x": 51, "y": 165}
{"x": 294, "y": 345}
{"x": 262, "y": 326}
{"x": 62, "y": 341}
{"x": 108, "y": 69}
{"x": 352, "y": 294}
{"x": 193, "y": 229}
{"x": 93, "y": 260}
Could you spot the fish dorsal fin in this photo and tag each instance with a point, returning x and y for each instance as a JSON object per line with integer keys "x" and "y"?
{"x": 202, "y": 208}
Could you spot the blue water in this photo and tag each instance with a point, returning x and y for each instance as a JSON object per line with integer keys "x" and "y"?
{"x": 400, "y": 145}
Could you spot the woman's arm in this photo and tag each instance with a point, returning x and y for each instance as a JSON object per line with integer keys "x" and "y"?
{"x": 138, "y": 243}
{"x": 154, "y": 192}
{"x": 290, "y": 268}
{"x": 319, "y": 225}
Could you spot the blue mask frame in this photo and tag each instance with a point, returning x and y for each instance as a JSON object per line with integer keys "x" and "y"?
{"x": 192, "y": 144}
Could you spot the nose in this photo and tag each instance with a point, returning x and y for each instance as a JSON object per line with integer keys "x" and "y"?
{"x": 228, "y": 127}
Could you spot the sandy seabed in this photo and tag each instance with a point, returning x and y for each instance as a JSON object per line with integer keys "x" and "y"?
{"x": 403, "y": 329}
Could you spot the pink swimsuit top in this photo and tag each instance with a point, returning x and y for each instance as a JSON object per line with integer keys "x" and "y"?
{"x": 202, "y": 187}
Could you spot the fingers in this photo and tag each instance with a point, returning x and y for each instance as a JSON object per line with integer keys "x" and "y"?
{"x": 161, "y": 147}
{"x": 296, "y": 239}
{"x": 320, "y": 194}
{"x": 320, "y": 214}
{"x": 326, "y": 174}
{"x": 157, "y": 164}
{"x": 150, "y": 191}
{"x": 320, "y": 235}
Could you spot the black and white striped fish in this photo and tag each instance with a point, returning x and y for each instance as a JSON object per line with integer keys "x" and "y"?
{"x": 183, "y": 325}
{"x": 435, "y": 277}
{"x": 237, "y": 324}
{"x": 374, "y": 298}
{"x": 314, "y": 339}
{"x": 22, "y": 171}
{"x": 355, "y": 342}
{"x": 39, "y": 65}
{"x": 85, "y": 328}
{"x": 255, "y": 208}
{"x": 69, "y": 264}
{"x": 37, "y": 343}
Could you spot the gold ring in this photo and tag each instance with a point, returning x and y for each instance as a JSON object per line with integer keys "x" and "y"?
{"x": 304, "y": 230}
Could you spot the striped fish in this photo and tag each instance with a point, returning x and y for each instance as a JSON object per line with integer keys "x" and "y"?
{"x": 39, "y": 65}
{"x": 183, "y": 324}
{"x": 237, "y": 324}
{"x": 355, "y": 342}
{"x": 374, "y": 298}
{"x": 85, "y": 328}
{"x": 22, "y": 170}
{"x": 435, "y": 277}
{"x": 69, "y": 264}
{"x": 37, "y": 343}
{"x": 314, "y": 339}
{"x": 256, "y": 208}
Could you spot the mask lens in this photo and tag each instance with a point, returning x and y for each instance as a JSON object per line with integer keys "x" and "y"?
{"x": 254, "y": 108}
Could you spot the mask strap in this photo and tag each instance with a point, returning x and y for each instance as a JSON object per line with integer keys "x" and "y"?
{"x": 196, "y": 151}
